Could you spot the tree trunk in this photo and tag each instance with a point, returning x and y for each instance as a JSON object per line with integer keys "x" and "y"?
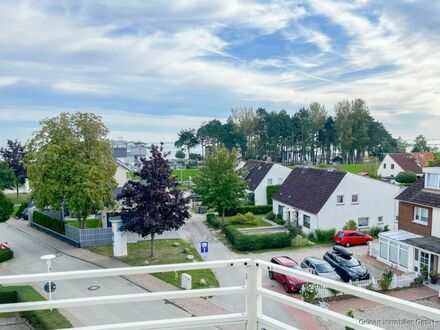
{"x": 78, "y": 217}
{"x": 223, "y": 217}
{"x": 152, "y": 246}
{"x": 17, "y": 186}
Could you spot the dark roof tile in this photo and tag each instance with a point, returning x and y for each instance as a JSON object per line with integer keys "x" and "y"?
{"x": 255, "y": 172}
{"x": 417, "y": 194}
{"x": 411, "y": 162}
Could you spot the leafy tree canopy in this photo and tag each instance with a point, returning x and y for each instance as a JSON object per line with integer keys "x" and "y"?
{"x": 187, "y": 138}
{"x": 435, "y": 161}
{"x": 14, "y": 154}
{"x": 6, "y": 207}
{"x": 7, "y": 177}
{"x": 420, "y": 144}
{"x": 180, "y": 154}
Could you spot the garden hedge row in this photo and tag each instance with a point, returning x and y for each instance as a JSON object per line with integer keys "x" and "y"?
{"x": 6, "y": 254}
{"x": 213, "y": 220}
{"x": 244, "y": 242}
{"x": 43, "y": 319}
{"x": 48, "y": 222}
{"x": 255, "y": 209}
{"x": 270, "y": 191}
{"x": 6, "y": 207}
{"x": 20, "y": 210}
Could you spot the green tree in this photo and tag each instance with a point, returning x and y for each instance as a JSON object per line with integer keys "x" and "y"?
{"x": 6, "y": 207}
{"x": 406, "y": 177}
{"x": 14, "y": 155}
{"x": 420, "y": 144}
{"x": 187, "y": 138}
{"x": 7, "y": 177}
{"x": 70, "y": 163}
{"x": 219, "y": 182}
{"x": 180, "y": 154}
{"x": 435, "y": 161}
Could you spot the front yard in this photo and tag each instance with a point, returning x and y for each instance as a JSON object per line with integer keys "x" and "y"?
{"x": 165, "y": 253}
{"x": 259, "y": 222}
{"x": 90, "y": 223}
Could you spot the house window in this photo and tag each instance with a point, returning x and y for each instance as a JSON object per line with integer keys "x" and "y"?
{"x": 269, "y": 182}
{"x": 379, "y": 220}
{"x": 433, "y": 181}
{"x": 355, "y": 199}
{"x": 363, "y": 222}
{"x": 392, "y": 166}
{"x": 306, "y": 221}
{"x": 384, "y": 165}
{"x": 340, "y": 199}
{"x": 281, "y": 211}
{"x": 421, "y": 215}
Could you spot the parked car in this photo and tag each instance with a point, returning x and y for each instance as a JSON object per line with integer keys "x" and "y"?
{"x": 351, "y": 237}
{"x": 25, "y": 214}
{"x": 290, "y": 284}
{"x": 320, "y": 267}
{"x": 347, "y": 267}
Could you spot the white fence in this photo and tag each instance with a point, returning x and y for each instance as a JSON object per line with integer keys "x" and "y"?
{"x": 373, "y": 249}
{"x": 252, "y": 291}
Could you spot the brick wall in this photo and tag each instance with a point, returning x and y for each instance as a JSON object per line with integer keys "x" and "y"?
{"x": 406, "y": 217}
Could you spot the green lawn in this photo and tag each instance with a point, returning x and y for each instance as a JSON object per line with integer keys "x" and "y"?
{"x": 21, "y": 198}
{"x": 259, "y": 223}
{"x": 370, "y": 168}
{"x": 183, "y": 175}
{"x": 90, "y": 223}
{"x": 165, "y": 253}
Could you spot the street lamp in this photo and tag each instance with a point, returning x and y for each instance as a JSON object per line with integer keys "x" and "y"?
{"x": 48, "y": 258}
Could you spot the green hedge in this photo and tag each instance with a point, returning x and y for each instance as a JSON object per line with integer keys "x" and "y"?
{"x": 255, "y": 209}
{"x": 244, "y": 242}
{"x": 40, "y": 320}
{"x": 6, "y": 254}
{"x": 270, "y": 191}
{"x": 48, "y": 222}
{"x": 324, "y": 236}
{"x": 21, "y": 209}
{"x": 6, "y": 207}
{"x": 213, "y": 220}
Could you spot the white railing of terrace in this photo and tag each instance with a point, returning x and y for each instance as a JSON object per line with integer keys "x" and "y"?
{"x": 252, "y": 290}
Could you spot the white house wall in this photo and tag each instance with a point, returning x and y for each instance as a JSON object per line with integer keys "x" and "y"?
{"x": 388, "y": 172}
{"x": 288, "y": 212}
{"x": 278, "y": 174}
{"x": 376, "y": 198}
{"x": 121, "y": 176}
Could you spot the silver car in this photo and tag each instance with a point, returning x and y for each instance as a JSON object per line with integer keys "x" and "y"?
{"x": 320, "y": 267}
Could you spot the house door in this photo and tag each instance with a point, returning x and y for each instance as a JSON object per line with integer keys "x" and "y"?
{"x": 423, "y": 259}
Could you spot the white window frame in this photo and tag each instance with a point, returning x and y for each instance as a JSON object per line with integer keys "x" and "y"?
{"x": 363, "y": 226}
{"x": 304, "y": 217}
{"x": 392, "y": 166}
{"x": 337, "y": 200}
{"x": 436, "y": 185}
{"x": 380, "y": 220}
{"x": 418, "y": 215}
{"x": 357, "y": 199}
{"x": 269, "y": 182}
{"x": 384, "y": 165}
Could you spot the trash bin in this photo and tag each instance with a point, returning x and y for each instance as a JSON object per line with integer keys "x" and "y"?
{"x": 202, "y": 209}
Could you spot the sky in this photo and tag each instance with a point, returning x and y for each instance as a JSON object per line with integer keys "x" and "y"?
{"x": 151, "y": 68}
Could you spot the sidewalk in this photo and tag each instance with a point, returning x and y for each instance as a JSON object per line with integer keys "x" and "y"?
{"x": 194, "y": 306}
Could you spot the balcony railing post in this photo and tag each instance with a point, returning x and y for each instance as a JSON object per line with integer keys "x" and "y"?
{"x": 253, "y": 298}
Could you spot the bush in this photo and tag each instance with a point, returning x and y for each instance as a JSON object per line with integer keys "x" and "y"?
{"x": 42, "y": 319}
{"x": 418, "y": 280}
{"x": 309, "y": 292}
{"x": 325, "y": 236}
{"x": 349, "y": 313}
{"x": 213, "y": 220}
{"x": 406, "y": 177}
{"x": 270, "y": 216}
{"x": 375, "y": 230}
{"x": 244, "y": 242}
{"x": 6, "y": 207}
{"x": 21, "y": 209}
{"x": 270, "y": 192}
{"x": 255, "y": 209}
{"x": 293, "y": 230}
{"x": 180, "y": 154}
{"x": 48, "y": 222}
{"x": 243, "y": 219}
{"x": 196, "y": 157}
{"x": 249, "y": 199}
{"x": 6, "y": 254}
{"x": 387, "y": 278}
{"x": 350, "y": 225}
{"x": 279, "y": 219}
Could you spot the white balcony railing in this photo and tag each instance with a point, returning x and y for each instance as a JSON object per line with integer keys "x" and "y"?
{"x": 252, "y": 290}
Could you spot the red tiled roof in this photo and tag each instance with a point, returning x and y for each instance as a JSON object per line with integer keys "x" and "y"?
{"x": 412, "y": 162}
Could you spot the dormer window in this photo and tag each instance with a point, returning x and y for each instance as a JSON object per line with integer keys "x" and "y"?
{"x": 433, "y": 180}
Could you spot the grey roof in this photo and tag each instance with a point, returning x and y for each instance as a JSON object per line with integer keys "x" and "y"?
{"x": 429, "y": 243}
{"x": 119, "y": 152}
{"x": 308, "y": 189}
{"x": 256, "y": 171}
{"x": 121, "y": 163}
{"x": 417, "y": 194}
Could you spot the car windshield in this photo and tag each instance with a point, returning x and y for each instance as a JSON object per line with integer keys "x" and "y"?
{"x": 352, "y": 262}
{"x": 340, "y": 234}
{"x": 324, "y": 268}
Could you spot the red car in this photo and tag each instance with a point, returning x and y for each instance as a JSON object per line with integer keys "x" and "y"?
{"x": 351, "y": 237}
{"x": 289, "y": 283}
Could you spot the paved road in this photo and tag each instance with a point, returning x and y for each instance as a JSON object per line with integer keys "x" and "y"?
{"x": 26, "y": 260}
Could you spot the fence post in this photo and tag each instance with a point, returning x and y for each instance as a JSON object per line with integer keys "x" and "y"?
{"x": 394, "y": 281}
{"x": 253, "y": 299}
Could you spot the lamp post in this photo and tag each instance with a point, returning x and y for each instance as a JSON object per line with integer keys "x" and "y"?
{"x": 48, "y": 258}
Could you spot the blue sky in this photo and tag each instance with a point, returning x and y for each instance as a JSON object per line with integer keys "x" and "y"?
{"x": 150, "y": 68}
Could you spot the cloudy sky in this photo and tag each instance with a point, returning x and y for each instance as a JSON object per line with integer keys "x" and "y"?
{"x": 153, "y": 67}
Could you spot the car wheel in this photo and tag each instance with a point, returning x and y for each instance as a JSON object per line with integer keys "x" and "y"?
{"x": 286, "y": 288}
{"x": 270, "y": 275}
{"x": 347, "y": 244}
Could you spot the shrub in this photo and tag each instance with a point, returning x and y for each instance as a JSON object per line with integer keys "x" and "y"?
{"x": 244, "y": 242}
{"x": 424, "y": 272}
{"x": 270, "y": 216}
{"x": 41, "y": 319}
{"x": 250, "y": 199}
{"x": 255, "y": 209}
{"x": 375, "y": 230}
{"x": 243, "y": 219}
{"x": 213, "y": 220}
{"x": 270, "y": 192}
{"x": 349, "y": 313}
{"x": 180, "y": 154}
{"x": 309, "y": 292}
{"x": 387, "y": 278}
{"x": 418, "y": 280}
{"x": 293, "y": 230}
{"x": 279, "y": 219}
{"x": 48, "y": 222}
{"x": 406, "y": 177}
{"x": 325, "y": 236}
{"x": 6, "y": 254}
{"x": 350, "y": 225}
{"x": 6, "y": 207}
{"x": 21, "y": 209}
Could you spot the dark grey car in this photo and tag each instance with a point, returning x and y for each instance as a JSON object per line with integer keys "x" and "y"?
{"x": 320, "y": 267}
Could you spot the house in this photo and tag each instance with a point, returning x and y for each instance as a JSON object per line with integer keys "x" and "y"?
{"x": 129, "y": 153}
{"x": 260, "y": 175}
{"x": 323, "y": 199}
{"x": 121, "y": 174}
{"x": 395, "y": 163}
{"x": 417, "y": 244}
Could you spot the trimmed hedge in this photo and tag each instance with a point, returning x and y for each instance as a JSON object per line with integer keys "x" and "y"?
{"x": 6, "y": 207}
{"x": 6, "y": 254}
{"x": 21, "y": 209}
{"x": 213, "y": 220}
{"x": 42, "y": 319}
{"x": 244, "y": 242}
{"x": 255, "y": 209}
{"x": 270, "y": 191}
{"x": 48, "y": 222}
